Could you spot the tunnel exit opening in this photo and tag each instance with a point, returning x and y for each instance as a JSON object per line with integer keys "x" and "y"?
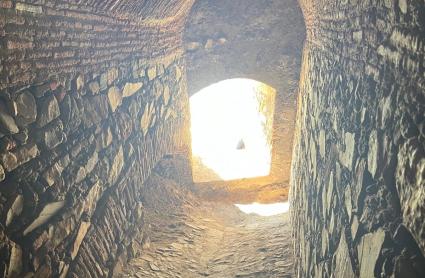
{"x": 231, "y": 128}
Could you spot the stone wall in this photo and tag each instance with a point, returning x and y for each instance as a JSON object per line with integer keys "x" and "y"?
{"x": 89, "y": 103}
{"x": 260, "y": 40}
{"x": 357, "y": 185}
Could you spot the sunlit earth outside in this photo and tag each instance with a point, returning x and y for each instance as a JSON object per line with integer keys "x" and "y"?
{"x": 231, "y": 131}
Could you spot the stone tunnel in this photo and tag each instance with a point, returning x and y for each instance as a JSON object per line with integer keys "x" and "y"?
{"x": 97, "y": 161}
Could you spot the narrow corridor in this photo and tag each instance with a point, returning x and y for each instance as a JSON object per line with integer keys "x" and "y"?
{"x": 211, "y": 239}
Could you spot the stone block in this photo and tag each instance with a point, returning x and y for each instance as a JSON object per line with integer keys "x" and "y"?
{"x": 78, "y": 82}
{"x": 96, "y": 109}
{"x": 71, "y": 113}
{"x": 54, "y": 135}
{"x": 2, "y": 174}
{"x": 48, "y": 211}
{"x": 28, "y": 8}
{"x": 346, "y": 157}
{"x": 372, "y": 155}
{"x": 82, "y": 231}
{"x": 26, "y": 153}
{"x": 151, "y": 73}
{"x": 116, "y": 166}
{"x": 115, "y": 98}
{"x": 146, "y": 119}
{"x": 94, "y": 87}
{"x": 343, "y": 265}
{"x": 7, "y": 122}
{"x": 48, "y": 110}
{"x": 368, "y": 250}
{"x": 53, "y": 174}
{"x": 26, "y": 108}
{"x": 15, "y": 209}
{"x": 131, "y": 88}
{"x": 15, "y": 261}
{"x": 9, "y": 161}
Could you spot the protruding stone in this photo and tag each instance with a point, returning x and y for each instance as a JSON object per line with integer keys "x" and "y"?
{"x": 372, "y": 155}
{"x": 29, "y": 8}
{"x": 358, "y": 36}
{"x": 209, "y": 44}
{"x": 117, "y": 166}
{"x": 78, "y": 82}
{"x": 7, "y": 123}
{"x": 48, "y": 111}
{"x": 131, "y": 88}
{"x": 2, "y": 174}
{"x": 9, "y": 161}
{"x": 94, "y": 87}
{"x": 15, "y": 209}
{"x": 354, "y": 227}
{"x": 146, "y": 117}
{"x": 54, "y": 135}
{"x": 348, "y": 204}
{"x": 82, "y": 231}
{"x": 71, "y": 113}
{"x": 91, "y": 162}
{"x": 53, "y": 174}
{"x": 26, "y": 153}
{"x": 193, "y": 46}
{"x": 151, "y": 73}
{"x": 114, "y": 97}
{"x": 347, "y": 156}
{"x": 343, "y": 266}
{"x": 369, "y": 250}
{"x": 402, "y": 4}
{"x": 47, "y": 212}
{"x": 15, "y": 262}
{"x": 221, "y": 41}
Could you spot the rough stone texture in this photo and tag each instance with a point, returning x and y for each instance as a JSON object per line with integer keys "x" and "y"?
{"x": 73, "y": 155}
{"x": 361, "y": 105}
{"x": 71, "y": 192}
{"x": 190, "y": 237}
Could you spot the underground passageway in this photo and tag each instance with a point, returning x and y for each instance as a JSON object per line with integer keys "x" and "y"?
{"x": 212, "y": 138}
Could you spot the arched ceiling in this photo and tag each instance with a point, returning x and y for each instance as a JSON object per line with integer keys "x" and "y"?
{"x": 134, "y": 10}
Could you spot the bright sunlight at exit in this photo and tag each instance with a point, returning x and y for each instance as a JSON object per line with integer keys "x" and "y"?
{"x": 232, "y": 130}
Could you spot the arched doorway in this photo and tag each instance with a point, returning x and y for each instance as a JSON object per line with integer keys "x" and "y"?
{"x": 231, "y": 127}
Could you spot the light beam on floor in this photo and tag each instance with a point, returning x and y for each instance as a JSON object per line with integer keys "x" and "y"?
{"x": 264, "y": 209}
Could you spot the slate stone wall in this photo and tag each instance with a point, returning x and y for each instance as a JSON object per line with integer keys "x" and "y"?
{"x": 89, "y": 104}
{"x": 357, "y": 185}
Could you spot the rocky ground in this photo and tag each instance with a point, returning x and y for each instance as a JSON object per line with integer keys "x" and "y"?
{"x": 194, "y": 238}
